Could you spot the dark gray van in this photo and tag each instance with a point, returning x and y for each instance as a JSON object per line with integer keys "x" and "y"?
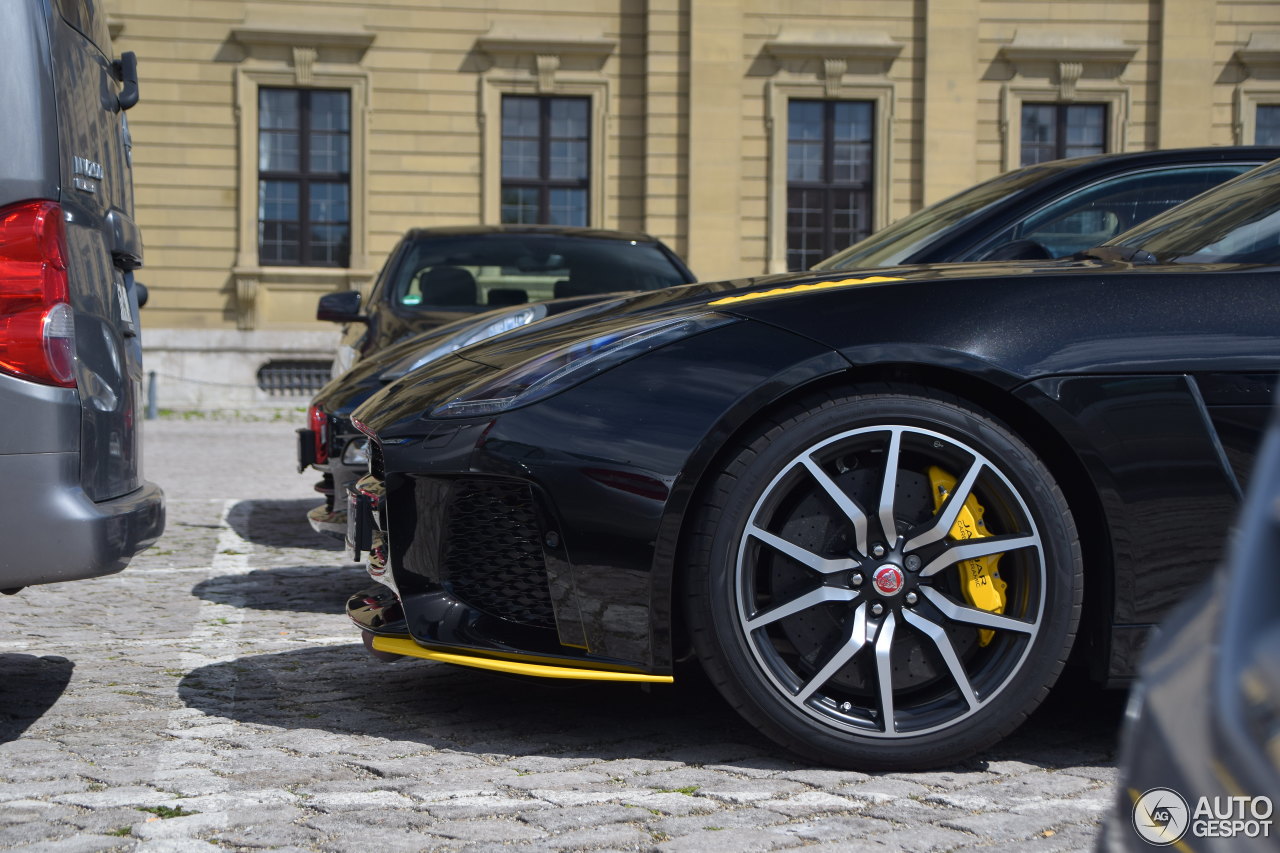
{"x": 73, "y": 503}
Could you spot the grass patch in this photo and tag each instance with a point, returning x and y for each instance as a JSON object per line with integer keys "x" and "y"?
{"x": 166, "y": 812}
{"x": 687, "y": 790}
{"x": 122, "y": 832}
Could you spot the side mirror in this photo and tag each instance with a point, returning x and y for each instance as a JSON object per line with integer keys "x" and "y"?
{"x": 341, "y": 307}
{"x": 143, "y": 294}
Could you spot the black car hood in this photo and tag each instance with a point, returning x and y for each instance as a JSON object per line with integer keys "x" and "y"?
{"x": 743, "y": 297}
{"x": 410, "y": 397}
{"x": 802, "y": 303}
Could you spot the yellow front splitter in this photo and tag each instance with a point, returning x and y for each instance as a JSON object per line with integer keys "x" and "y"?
{"x": 402, "y": 646}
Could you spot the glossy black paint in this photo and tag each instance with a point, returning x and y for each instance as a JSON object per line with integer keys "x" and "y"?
{"x": 1120, "y": 373}
{"x": 385, "y": 322}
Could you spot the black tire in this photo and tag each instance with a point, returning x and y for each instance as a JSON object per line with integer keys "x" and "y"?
{"x": 797, "y": 621}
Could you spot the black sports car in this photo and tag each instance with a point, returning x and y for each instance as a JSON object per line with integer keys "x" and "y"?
{"x": 1051, "y": 210}
{"x": 883, "y": 509}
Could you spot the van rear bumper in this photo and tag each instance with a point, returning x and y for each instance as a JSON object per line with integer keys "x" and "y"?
{"x": 51, "y": 531}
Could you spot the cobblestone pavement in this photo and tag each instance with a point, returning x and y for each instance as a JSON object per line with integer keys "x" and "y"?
{"x": 213, "y": 696}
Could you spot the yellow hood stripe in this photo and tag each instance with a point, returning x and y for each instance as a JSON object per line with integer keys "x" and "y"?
{"x": 802, "y": 288}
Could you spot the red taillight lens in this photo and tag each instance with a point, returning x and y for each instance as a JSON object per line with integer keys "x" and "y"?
{"x": 37, "y": 326}
{"x": 319, "y": 423}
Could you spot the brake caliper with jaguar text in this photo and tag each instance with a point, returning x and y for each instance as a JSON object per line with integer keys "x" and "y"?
{"x": 980, "y": 577}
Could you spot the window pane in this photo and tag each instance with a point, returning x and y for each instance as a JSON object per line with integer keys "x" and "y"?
{"x": 568, "y": 160}
{"x": 330, "y": 153}
{"x": 851, "y": 121}
{"x": 519, "y": 206}
{"x": 328, "y": 203}
{"x": 277, "y": 151}
{"x": 568, "y": 207}
{"x": 569, "y": 118}
{"x": 330, "y": 244}
{"x": 278, "y": 200}
{"x": 278, "y": 109}
{"x": 804, "y": 120}
{"x": 278, "y": 243}
{"x": 520, "y": 158}
{"x": 519, "y": 116}
{"x": 804, "y": 161}
{"x": 331, "y": 111}
{"x": 1085, "y": 130}
{"x": 1268, "y": 125}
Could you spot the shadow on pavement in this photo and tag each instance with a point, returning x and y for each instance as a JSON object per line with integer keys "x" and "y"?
{"x": 279, "y": 524}
{"x": 29, "y": 686}
{"x": 341, "y": 689}
{"x": 299, "y": 589}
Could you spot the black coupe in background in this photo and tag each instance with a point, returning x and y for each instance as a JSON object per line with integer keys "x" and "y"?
{"x": 882, "y": 509}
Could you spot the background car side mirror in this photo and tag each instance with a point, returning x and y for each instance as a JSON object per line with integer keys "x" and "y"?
{"x": 143, "y": 294}
{"x": 341, "y": 307}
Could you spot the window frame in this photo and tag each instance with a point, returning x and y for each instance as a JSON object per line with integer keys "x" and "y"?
{"x": 826, "y": 185}
{"x": 544, "y": 184}
{"x": 499, "y": 82}
{"x": 304, "y": 178}
{"x": 1248, "y": 100}
{"x": 1014, "y": 95}
{"x": 1061, "y": 126}
{"x": 778, "y": 95}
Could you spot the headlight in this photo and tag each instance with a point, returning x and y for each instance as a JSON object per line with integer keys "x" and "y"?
{"x": 356, "y": 452}
{"x": 464, "y": 338}
{"x": 571, "y": 364}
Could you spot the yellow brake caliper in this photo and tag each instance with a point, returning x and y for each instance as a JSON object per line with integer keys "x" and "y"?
{"x": 980, "y": 577}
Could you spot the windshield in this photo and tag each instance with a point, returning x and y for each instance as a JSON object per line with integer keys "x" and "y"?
{"x": 896, "y": 243}
{"x": 1236, "y": 223}
{"x": 477, "y": 271}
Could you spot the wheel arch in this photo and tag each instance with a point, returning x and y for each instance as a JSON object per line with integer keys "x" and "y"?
{"x": 1040, "y": 434}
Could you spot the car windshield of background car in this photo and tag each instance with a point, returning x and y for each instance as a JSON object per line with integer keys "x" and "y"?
{"x": 897, "y": 242}
{"x": 1237, "y": 223}
{"x": 497, "y": 270}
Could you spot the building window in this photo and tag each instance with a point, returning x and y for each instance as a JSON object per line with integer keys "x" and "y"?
{"x": 829, "y": 177}
{"x": 1054, "y": 131}
{"x": 546, "y": 155}
{"x": 304, "y": 177}
{"x": 1267, "y": 129}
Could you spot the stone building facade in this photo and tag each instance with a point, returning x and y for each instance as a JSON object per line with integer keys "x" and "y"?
{"x": 282, "y": 147}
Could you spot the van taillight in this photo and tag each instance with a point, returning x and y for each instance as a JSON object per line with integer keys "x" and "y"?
{"x": 319, "y": 423}
{"x": 37, "y": 325}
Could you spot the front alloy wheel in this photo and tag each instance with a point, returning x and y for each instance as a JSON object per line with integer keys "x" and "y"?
{"x": 889, "y": 581}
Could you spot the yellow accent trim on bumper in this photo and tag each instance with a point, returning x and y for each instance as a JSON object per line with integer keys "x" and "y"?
{"x": 802, "y": 288}
{"x": 398, "y": 646}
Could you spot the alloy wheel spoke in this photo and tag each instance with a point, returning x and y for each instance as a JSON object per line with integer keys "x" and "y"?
{"x": 820, "y": 565}
{"x": 946, "y": 518}
{"x": 884, "y": 672}
{"x": 812, "y": 598}
{"x": 974, "y": 548}
{"x": 888, "y": 526}
{"x": 843, "y": 501}
{"x": 934, "y": 632}
{"x": 855, "y": 639}
{"x": 974, "y": 616}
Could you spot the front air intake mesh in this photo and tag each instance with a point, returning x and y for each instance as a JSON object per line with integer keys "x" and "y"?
{"x": 493, "y": 552}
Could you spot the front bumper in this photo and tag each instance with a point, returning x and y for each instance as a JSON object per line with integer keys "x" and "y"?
{"x": 52, "y": 530}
